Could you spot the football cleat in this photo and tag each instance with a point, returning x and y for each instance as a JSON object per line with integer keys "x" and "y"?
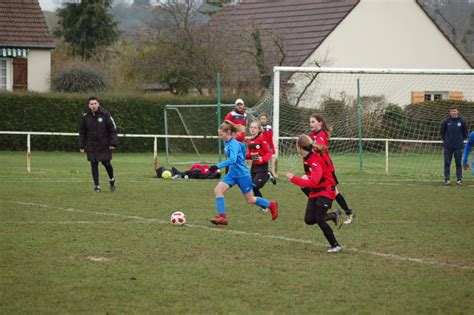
{"x": 272, "y": 178}
{"x": 349, "y": 218}
{"x": 337, "y": 219}
{"x": 335, "y": 249}
{"x": 262, "y": 210}
{"x": 447, "y": 182}
{"x": 274, "y": 209}
{"x": 219, "y": 221}
{"x": 97, "y": 189}
{"x": 459, "y": 182}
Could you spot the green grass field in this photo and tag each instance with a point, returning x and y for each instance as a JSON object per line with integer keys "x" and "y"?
{"x": 65, "y": 249}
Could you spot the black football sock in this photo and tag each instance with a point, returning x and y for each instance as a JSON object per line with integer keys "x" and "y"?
{"x": 342, "y": 202}
{"x": 328, "y": 233}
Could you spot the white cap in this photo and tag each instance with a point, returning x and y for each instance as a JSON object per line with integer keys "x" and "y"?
{"x": 239, "y": 101}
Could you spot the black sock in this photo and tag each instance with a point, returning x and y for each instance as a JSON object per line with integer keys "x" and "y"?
{"x": 342, "y": 202}
{"x": 328, "y": 233}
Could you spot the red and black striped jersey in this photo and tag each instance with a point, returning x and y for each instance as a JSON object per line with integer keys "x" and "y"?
{"x": 268, "y": 135}
{"x": 320, "y": 137}
{"x": 320, "y": 178}
{"x": 257, "y": 148}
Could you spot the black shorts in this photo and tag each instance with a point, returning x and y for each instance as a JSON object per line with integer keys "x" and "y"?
{"x": 259, "y": 168}
{"x": 316, "y": 209}
{"x": 259, "y": 179}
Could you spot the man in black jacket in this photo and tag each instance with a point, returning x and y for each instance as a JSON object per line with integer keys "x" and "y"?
{"x": 98, "y": 136}
{"x": 453, "y": 132}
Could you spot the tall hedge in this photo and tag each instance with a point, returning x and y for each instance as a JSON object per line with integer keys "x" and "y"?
{"x": 133, "y": 115}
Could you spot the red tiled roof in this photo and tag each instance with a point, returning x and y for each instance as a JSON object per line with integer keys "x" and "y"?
{"x": 22, "y": 24}
{"x": 302, "y": 25}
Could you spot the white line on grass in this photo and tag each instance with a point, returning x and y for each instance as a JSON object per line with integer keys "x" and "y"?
{"x": 275, "y": 237}
{"x": 75, "y": 222}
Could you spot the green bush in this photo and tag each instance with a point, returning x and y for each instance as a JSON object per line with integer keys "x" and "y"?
{"x": 78, "y": 78}
{"x": 58, "y": 112}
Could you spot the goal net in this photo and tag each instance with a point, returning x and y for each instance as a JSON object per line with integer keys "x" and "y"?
{"x": 385, "y": 121}
{"x": 191, "y": 132}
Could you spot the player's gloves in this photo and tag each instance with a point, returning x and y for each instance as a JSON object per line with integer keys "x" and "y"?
{"x": 213, "y": 168}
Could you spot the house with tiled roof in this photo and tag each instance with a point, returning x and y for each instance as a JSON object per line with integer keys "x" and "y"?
{"x": 350, "y": 34}
{"x": 25, "y": 47}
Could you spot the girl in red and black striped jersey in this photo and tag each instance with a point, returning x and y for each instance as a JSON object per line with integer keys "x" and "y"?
{"x": 267, "y": 131}
{"x": 268, "y": 135}
{"x": 259, "y": 152}
{"x": 321, "y": 133}
{"x": 322, "y": 188}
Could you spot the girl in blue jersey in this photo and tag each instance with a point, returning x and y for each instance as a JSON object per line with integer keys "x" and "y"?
{"x": 467, "y": 150}
{"x": 238, "y": 174}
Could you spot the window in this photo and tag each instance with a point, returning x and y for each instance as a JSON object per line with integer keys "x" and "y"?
{"x": 422, "y": 96}
{"x": 6, "y": 74}
{"x": 436, "y": 96}
{"x": 3, "y": 75}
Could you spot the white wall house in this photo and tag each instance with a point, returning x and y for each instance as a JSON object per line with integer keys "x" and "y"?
{"x": 355, "y": 34}
{"x": 387, "y": 34}
{"x": 25, "y": 47}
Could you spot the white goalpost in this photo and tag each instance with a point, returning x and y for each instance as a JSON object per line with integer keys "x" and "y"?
{"x": 384, "y": 120}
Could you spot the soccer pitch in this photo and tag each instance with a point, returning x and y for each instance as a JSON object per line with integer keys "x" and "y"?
{"x": 65, "y": 249}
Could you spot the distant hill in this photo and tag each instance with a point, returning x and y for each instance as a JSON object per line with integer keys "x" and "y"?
{"x": 51, "y": 19}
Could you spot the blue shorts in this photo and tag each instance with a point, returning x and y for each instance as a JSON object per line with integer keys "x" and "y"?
{"x": 245, "y": 183}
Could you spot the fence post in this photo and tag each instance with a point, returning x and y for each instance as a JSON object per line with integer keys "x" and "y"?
{"x": 28, "y": 152}
{"x": 155, "y": 154}
{"x": 386, "y": 157}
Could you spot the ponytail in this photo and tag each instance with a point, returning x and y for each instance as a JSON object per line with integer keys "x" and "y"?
{"x": 305, "y": 142}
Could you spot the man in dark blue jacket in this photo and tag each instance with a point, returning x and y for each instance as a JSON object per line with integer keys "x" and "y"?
{"x": 98, "y": 137}
{"x": 453, "y": 132}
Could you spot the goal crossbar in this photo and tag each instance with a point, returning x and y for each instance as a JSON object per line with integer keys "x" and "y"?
{"x": 374, "y": 70}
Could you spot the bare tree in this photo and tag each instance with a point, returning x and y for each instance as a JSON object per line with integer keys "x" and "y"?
{"x": 178, "y": 49}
